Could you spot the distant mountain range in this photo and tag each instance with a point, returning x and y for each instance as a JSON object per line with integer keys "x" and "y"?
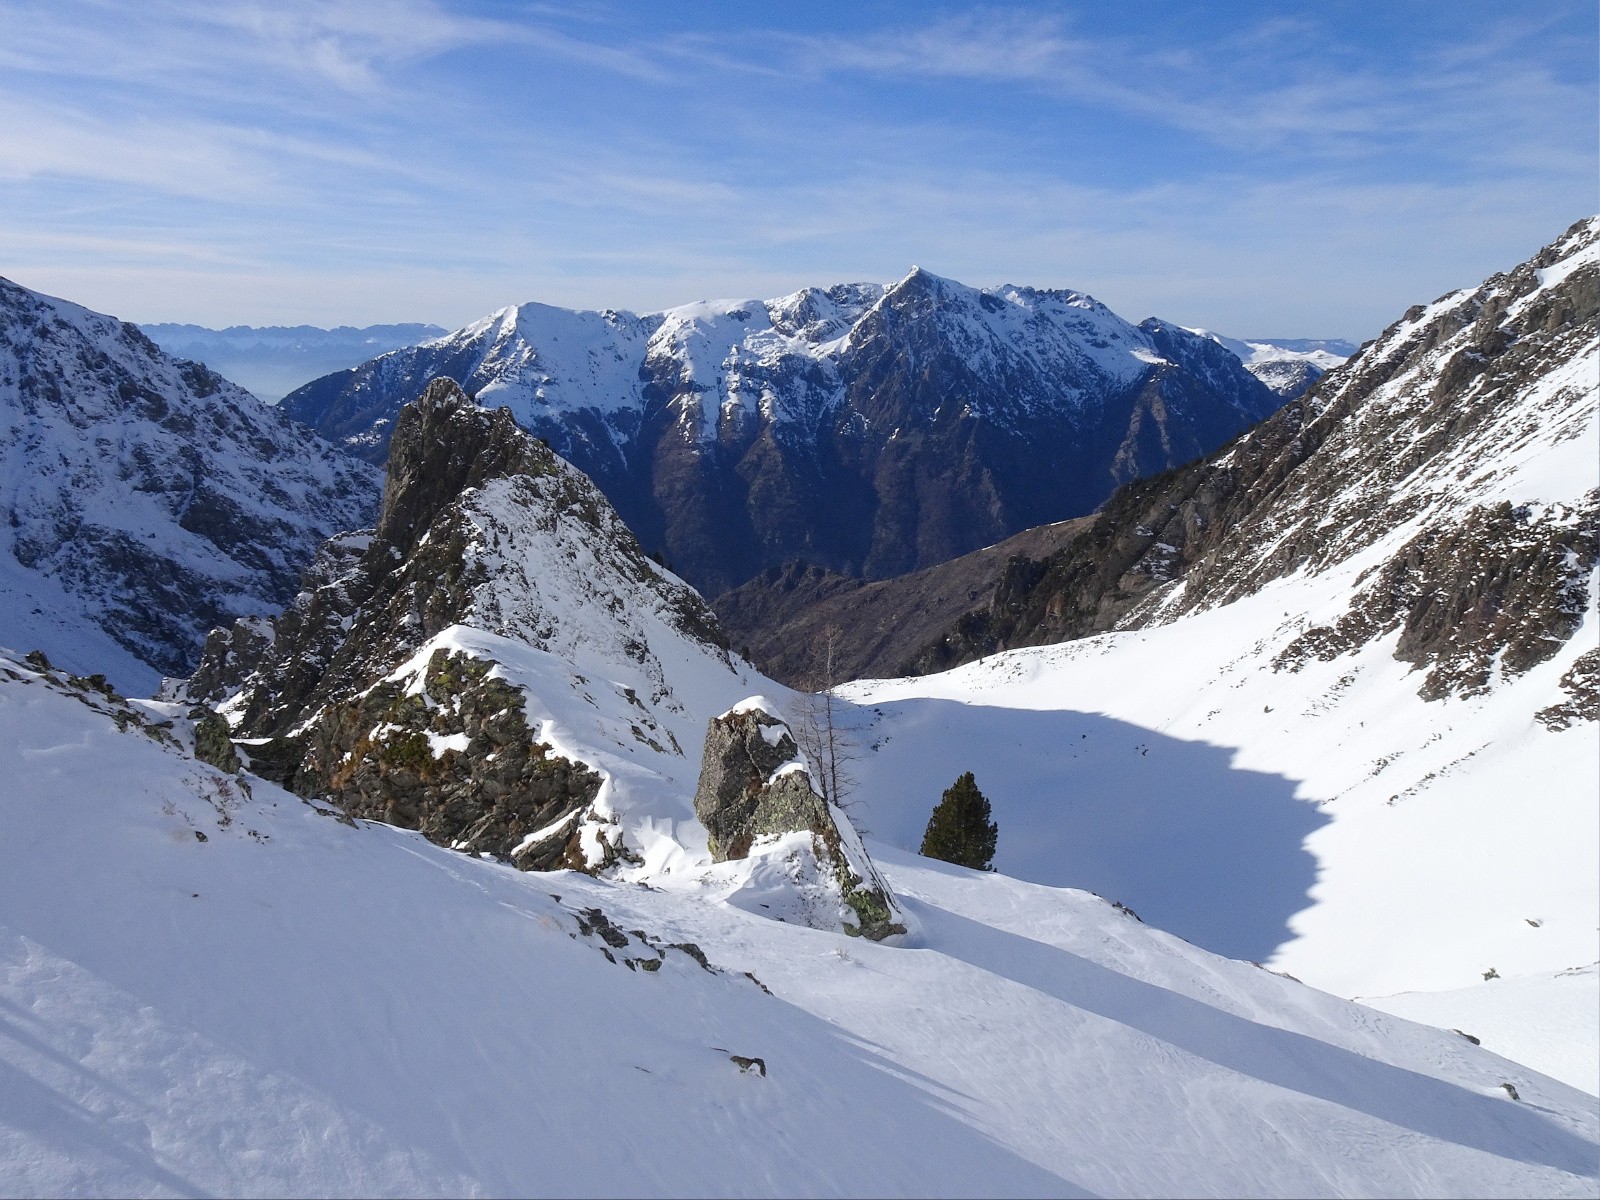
{"x": 871, "y": 429}
{"x": 1286, "y": 365}
{"x": 272, "y": 360}
{"x": 484, "y": 841}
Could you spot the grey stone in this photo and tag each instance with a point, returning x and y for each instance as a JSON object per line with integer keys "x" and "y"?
{"x": 741, "y": 798}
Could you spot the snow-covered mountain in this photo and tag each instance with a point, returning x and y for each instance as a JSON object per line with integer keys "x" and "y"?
{"x": 497, "y": 663}
{"x": 246, "y": 996}
{"x": 273, "y": 360}
{"x": 261, "y": 989}
{"x": 867, "y": 428}
{"x": 1286, "y": 365}
{"x": 144, "y": 498}
{"x": 1339, "y": 709}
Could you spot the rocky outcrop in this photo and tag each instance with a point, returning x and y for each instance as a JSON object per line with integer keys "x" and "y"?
{"x": 1499, "y": 593}
{"x": 213, "y": 741}
{"x": 872, "y": 430}
{"x": 1411, "y": 447}
{"x": 755, "y": 786}
{"x": 1580, "y": 686}
{"x": 454, "y": 760}
{"x": 383, "y": 686}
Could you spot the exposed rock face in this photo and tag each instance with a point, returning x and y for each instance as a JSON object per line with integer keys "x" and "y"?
{"x": 786, "y": 618}
{"x": 1581, "y": 687}
{"x": 1421, "y": 449}
{"x": 1507, "y": 588}
{"x": 145, "y": 496}
{"x": 455, "y": 761}
{"x": 870, "y": 430}
{"x": 377, "y": 688}
{"x": 755, "y": 785}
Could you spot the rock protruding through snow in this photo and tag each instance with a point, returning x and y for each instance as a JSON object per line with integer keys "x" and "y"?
{"x": 756, "y": 787}
{"x": 497, "y": 665}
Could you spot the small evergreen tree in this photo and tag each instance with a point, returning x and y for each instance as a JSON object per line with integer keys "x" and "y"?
{"x": 960, "y": 831}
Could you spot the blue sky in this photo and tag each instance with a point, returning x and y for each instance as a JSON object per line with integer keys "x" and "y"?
{"x": 1259, "y": 169}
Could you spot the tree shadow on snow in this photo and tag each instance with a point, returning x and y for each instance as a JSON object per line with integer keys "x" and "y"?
{"x": 1169, "y": 827}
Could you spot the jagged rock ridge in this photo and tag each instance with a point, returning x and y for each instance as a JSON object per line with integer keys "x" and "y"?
{"x": 870, "y": 430}
{"x": 483, "y": 665}
{"x": 1452, "y": 457}
{"x": 145, "y": 498}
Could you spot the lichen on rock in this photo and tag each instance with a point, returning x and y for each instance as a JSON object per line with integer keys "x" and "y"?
{"x": 756, "y": 786}
{"x": 455, "y": 760}
{"x": 213, "y": 742}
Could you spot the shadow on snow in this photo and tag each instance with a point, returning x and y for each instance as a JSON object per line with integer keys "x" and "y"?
{"x": 1169, "y": 827}
{"x": 1432, "y": 1107}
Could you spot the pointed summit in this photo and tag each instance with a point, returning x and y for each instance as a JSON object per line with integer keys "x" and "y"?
{"x": 443, "y": 445}
{"x": 869, "y": 429}
{"x": 498, "y": 659}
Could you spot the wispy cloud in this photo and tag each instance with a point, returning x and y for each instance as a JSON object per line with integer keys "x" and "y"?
{"x": 424, "y": 159}
{"x": 1268, "y": 85}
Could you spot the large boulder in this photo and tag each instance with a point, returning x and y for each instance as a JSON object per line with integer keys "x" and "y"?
{"x": 756, "y": 788}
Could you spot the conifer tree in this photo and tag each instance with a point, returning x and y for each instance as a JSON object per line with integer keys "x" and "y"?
{"x": 960, "y": 831}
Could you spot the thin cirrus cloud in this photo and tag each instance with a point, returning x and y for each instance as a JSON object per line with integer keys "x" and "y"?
{"x": 412, "y": 160}
{"x": 1237, "y": 88}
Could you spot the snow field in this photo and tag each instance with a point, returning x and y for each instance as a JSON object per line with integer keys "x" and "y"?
{"x": 299, "y": 1006}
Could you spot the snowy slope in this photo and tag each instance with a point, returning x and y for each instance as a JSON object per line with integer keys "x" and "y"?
{"x": 1349, "y": 727}
{"x": 245, "y": 997}
{"x": 144, "y": 499}
{"x": 1546, "y": 1021}
{"x": 1329, "y": 823}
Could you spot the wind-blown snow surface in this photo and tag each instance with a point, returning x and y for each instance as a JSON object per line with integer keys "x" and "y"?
{"x": 1320, "y": 817}
{"x": 294, "y": 1005}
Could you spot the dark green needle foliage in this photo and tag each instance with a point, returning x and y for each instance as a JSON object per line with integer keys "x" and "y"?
{"x": 960, "y": 831}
